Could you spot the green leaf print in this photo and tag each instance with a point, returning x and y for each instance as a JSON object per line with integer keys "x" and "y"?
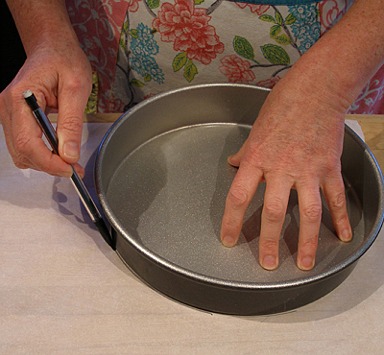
{"x": 290, "y": 19}
{"x": 134, "y": 33}
{"x": 275, "y": 30}
{"x": 179, "y": 61}
{"x": 275, "y": 33}
{"x": 125, "y": 27}
{"x": 147, "y": 78}
{"x": 275, "y": 54}
{"x": 198, "y": 2}
{"x": 190, "y": 70}
{"x": 91, "y": 106}
{"x": 283, "y": 39}
{"x": 267, "y": 18}
{"x": 137, "y": 83}
{"x": 279, "y": 18}
{"x": 153, "y": 4}
{"x": 243, "y": 48}
{"x": 122, "y": 43}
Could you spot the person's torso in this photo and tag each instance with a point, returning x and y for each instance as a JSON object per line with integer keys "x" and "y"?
{"x": 141, "y": 48}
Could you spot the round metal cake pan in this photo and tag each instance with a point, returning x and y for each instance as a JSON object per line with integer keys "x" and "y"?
{"x": 162, "y": 179}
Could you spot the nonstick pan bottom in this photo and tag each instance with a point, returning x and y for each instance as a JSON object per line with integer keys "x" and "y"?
{"x": 171, "y": 193}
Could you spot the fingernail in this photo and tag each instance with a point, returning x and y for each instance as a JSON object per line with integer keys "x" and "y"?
{"x": 307, "y": 263}
{"x": 269, "y": 262}
{"x": 71, "y": 150}
{"x": 68, "y": 173}
{"x": 230, "y": 160}
{"x": 80, "y": 171}
{"x": 228, "y": 241}
{"x": 346, "y": 235}
{"x": 82, "y": 174}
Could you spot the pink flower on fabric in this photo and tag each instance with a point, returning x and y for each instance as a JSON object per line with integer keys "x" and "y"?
{"x": 268, "y": 83}
{"x": 133, "y": 5}
{"x": 330, "y": 12}
{"x": 258, "y": 9}
{"x": 371, "y": 99}
{"x": 237, "y": 70}
{"x": 187, "y": 27}
{"x": 116, "y": 104}
{"x": 99, "y": 19}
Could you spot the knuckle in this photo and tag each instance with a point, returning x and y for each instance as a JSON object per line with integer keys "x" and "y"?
{"x": 21, "y": 144}
{"x": 338, "y": 202}
{"x": 19, "y": 159}
{"x": 309, "y": 243}
{"x": 252, "y": 159}
{"x": 274, "y": 210}
{"x": 12, "y": 91}
{"x": 312, "y": 213}
{"x": 72, "y": 124}
{"x": 330, "y": 165}
{"x": 238, "y": 197}
{"x": 269, "y": 245}
{"x": 76, "y": 82}
{"x": 20, "y": 164}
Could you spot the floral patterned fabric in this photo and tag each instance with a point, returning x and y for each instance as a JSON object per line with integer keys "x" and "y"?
{"x": 139, "y": 48}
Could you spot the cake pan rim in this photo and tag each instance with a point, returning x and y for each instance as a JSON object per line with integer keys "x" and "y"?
{"x": 245, "y": 285}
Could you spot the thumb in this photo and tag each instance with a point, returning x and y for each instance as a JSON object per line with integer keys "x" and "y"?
{"x": 235, "y": 159}
{"x": 69, "y": 129}
{"x": 70, "y": 125}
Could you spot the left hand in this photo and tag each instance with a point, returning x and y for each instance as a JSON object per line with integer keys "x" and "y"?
{"x": 296, "y": 142}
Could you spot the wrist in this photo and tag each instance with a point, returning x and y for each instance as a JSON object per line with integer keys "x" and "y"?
{"x": 347, "y": 56}
{"x": 42, "y": 23}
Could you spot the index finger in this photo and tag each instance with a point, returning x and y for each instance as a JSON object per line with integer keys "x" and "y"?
{"x": 238, "y": 199}
{"x": 26, "y": 146}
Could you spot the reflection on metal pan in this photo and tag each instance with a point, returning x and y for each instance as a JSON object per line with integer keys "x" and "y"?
{"x": 162, "y": 179}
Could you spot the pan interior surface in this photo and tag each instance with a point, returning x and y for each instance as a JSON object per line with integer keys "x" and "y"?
{"x": 169, "y": 193}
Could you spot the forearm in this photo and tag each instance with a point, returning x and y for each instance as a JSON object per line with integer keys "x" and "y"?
{"x": 346, "y": 57}
{"x": 41, "y": 21}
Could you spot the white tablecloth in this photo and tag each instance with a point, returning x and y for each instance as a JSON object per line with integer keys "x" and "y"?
{"x": 64, "y": 291}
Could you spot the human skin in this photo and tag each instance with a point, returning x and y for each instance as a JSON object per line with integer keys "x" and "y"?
{"x": 59, "y": 74}
{"x": 296, "y": 141}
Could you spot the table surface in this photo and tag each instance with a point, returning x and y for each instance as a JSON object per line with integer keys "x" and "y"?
{"x": 63, "y": 290}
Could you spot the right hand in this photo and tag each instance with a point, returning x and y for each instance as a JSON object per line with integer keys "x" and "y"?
{"x": 60, "y": 78}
